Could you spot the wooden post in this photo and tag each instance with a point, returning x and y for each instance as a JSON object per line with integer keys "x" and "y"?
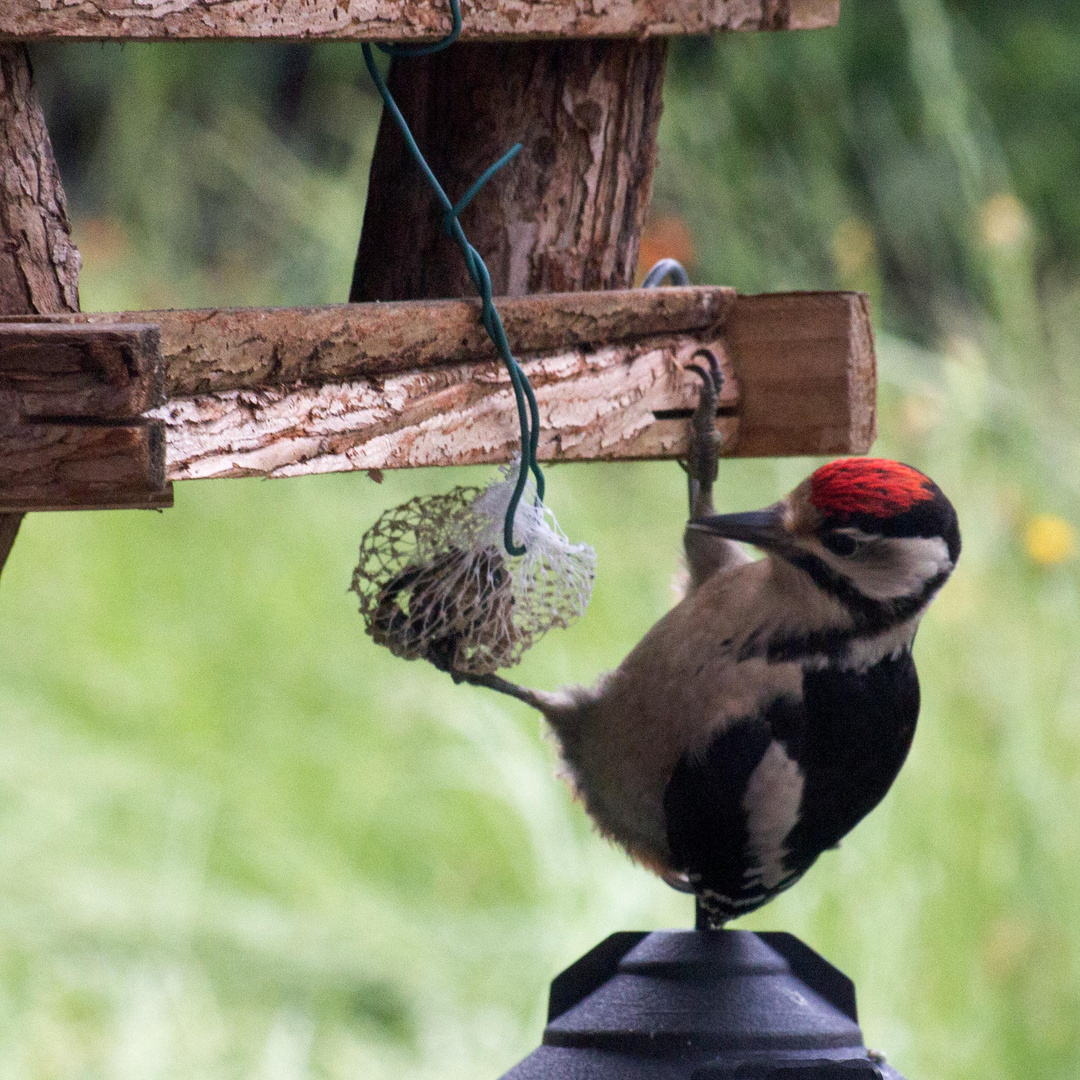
{"x": 565, "y": 215}
{"x": 39, "y": 265}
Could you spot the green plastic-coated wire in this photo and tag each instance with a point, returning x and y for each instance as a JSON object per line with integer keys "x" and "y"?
{"x": 485, "y": 176}
{"x": 438, "y": 46}
{"x": 527, "y": 408}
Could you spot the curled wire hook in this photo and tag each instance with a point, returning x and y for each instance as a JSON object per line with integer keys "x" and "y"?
{"x": 666, "y": 268}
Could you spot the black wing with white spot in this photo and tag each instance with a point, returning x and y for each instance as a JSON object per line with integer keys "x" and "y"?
{"x": 749, "y": 816}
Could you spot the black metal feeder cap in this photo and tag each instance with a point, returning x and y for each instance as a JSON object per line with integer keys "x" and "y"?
{"x": 702, "y": 1005}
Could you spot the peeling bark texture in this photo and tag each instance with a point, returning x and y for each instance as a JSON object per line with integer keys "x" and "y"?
{"x": 609, "y": 403}
{"x": 400, "y": 20}
{"x": 288, "y": 391}
{"x": 563, "y": 216}
{"x": 222, "y": 349}
{"x": 39, "y": 265}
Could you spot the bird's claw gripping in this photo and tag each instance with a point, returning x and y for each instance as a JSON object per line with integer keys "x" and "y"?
{"x": 703, "y": 460}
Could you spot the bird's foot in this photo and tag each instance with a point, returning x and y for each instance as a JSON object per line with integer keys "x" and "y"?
{"x": 708, "y": 915}
{"x": 500, "y": 686}
{"x": 702, "y": 462}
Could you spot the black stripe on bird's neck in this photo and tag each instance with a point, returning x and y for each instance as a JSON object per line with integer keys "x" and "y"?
{"x": 869, "y": 617}
{"x": 869, "y": 614}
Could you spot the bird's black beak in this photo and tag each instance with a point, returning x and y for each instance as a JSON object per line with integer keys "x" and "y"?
{"x": 762, "y": 528}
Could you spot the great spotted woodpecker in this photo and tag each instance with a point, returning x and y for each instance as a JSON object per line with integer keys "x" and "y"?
{"x": 765, "y": 715}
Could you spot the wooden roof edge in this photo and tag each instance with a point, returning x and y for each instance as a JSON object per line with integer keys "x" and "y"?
{"x": 400, "y": 20}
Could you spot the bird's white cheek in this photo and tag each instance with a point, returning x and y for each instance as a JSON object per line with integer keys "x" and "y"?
{"x": 904, "y": 571}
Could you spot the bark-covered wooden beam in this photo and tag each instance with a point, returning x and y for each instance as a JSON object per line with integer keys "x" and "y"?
{"x": 399, "y": 20}
{"x": 292, "y": 391}
{"x": 222, "y": 349}
{"x": 288, "y": 392}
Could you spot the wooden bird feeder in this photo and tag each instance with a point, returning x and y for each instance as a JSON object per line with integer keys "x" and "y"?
{"x": 104, "y": 411}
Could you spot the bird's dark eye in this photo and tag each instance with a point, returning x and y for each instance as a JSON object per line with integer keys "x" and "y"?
{"x": 840, "y": 543}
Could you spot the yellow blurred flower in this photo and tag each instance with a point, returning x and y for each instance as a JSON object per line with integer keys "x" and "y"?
{"x": 852, "y": 247}
{"x": 1003, "y": 221}
{"x": 1049, "y": 539}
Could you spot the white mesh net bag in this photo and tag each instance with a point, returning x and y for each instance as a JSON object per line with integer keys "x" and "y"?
{"x": 435, "y": 581}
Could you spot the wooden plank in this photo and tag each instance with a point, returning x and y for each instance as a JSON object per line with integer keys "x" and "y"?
{"x": 263, "y": 348}
{"x": 400, "y": 20}
{"x": 800, "y": 380}
{"x": 368, "y": 386}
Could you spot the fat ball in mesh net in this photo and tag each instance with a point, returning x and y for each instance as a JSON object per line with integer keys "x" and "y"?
{"x": 435, "y": 581}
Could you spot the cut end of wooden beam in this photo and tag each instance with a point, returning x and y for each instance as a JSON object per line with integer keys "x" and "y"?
{"x": 83, "y": 467}
{"x": 102, "y": 372}
{"x": 400, "y": 20}
{"x": 813, "y": 387}
{"x": 72, "y": 435}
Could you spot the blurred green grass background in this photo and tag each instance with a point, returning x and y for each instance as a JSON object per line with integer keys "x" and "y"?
{"x": 237, "y": 840}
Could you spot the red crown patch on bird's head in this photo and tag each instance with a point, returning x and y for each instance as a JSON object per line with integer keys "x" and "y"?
{"x": 874, "y": 486}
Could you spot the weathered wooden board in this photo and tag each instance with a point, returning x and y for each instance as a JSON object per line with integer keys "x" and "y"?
{"x": 800, "y": 380}
{"x": 599, "y": 404}
{"x": 399, "y": 20}
{"x": 287, "y": 392}
{"x": 72, "y": 434}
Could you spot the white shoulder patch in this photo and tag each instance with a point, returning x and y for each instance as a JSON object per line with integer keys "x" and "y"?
{"x": 771, "y": 803}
